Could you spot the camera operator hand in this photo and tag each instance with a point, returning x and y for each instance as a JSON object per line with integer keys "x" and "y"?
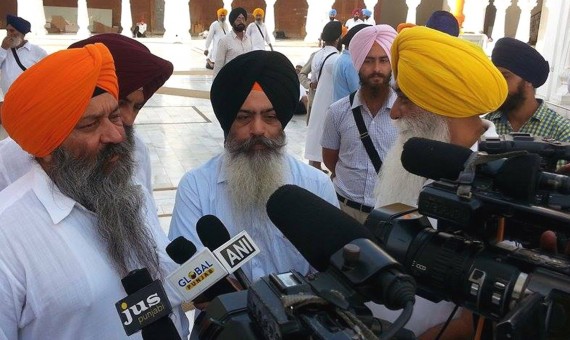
{"x": 549, "y": 242}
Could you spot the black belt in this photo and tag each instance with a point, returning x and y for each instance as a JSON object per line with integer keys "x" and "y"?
{"x": 354, "y": 205}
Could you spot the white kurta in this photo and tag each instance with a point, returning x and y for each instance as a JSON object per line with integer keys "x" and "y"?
{"x": 259, "y": 36}
{"x": 216, "y": 32}
{"x": 323, "y": 99}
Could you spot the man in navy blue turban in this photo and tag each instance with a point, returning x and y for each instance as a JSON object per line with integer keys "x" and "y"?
{"x": 525, "y": 70}
{"x": 443, "y": 21}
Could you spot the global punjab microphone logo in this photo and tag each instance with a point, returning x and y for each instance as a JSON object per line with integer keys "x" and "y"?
{"x": 197, "y": 275}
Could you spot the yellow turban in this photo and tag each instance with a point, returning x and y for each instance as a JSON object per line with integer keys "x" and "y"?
{"x": 45, "y": 103}
{"x": 222, "y": 11}
{"x": 446, "y": 75}
{"x": 258, "y": 11}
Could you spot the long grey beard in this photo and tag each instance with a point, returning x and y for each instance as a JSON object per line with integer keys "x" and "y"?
{"x": 395, "y": 184}
{"x": 115, "y": 199}
{"x": 253, "y": 175}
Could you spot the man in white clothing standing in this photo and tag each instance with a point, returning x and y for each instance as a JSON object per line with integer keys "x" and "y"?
{"x": 218, "y": 29}
{"x": 17, "y": 54}
{"x": 235, "y": 42}
{"x": 257, "y": 31}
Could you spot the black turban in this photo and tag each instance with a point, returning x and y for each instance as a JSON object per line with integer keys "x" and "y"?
{"x": 235, "y": 13}
{"x": 21, "y": 25}
{"x": 445, "y": 22}
{"x": 522, "y": 60}
{"x": 272, "y": 70}
{"x": 331, "y": 31}
{"x": 351, "y": 32}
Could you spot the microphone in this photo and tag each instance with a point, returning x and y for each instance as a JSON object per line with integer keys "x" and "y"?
{"x": 518, "y": 177}
{"x": 330, "y": 239}
{"x": 146, "y": 307}
{"x": 214, "y": 234}
{"x": 199, "y": 278}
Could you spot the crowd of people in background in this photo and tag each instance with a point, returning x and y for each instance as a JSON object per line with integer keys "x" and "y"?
{"x": 76, "y": 206}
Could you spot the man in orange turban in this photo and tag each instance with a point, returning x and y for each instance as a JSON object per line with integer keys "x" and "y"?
{"x": 218, "y": 29}
{"x": 76, "y": 221}
{"x": 443, "y": 85}
{"x": 257, "y": 31}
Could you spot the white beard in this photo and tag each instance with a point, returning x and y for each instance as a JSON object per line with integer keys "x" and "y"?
{"x": 395, "y": 184}
{"x": 252, "y": 178}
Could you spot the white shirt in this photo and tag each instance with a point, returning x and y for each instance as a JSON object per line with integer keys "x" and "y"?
{"x": 217, "y": 31}
{"x": 230, "y": 47}
{"x": 257, "y": 40}
{"x": 350, "y": 23}
{"x": 57, "y": 282}
{"x": 15, "y": 162}
{"x": 369, "y": 21}
{"x": 29, "y": 54}
{"x": 204, "y": 191}
{"x": 142, "y": 27}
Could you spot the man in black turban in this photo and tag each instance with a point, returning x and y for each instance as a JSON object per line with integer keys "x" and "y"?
{"x": 253, "y": 97}
{"x": 235, "y": 42}
{"x": 525, "y": 70}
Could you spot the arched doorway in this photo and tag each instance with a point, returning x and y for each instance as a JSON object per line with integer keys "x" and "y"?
{"x": 203, "y": 13}
{"x": 291, "y": 17}
{"x": 7, "y": 7}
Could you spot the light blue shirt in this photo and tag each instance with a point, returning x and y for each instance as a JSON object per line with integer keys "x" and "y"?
{"x": 355, "y": 175}
{"x": 345, "y": 77}
{"x": 204, "y": 191}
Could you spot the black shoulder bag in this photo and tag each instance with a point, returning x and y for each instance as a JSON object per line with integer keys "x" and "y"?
{"x": 364, "y": 136}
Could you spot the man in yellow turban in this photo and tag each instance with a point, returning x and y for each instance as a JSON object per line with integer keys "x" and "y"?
{"x": 218, "y": 29}
{"x": 257, "y": 31}
{"x": 443, "y": 85}
{"x": 76, "y": 223}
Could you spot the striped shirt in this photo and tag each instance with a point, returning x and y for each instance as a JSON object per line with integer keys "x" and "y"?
{"x": 355, "y": 175}
{"x": 545, "y": 122}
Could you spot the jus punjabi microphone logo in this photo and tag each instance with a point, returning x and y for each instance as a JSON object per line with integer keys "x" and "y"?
{"x": 142, "y": 310}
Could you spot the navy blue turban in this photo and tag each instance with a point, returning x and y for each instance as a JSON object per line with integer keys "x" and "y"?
{"x": 522, "y": 60}
{"x": 235, "y": 13}
{"x": 21, "y": 25}
{"x": 445, "y": 22}
{"x": 271, "y": 70}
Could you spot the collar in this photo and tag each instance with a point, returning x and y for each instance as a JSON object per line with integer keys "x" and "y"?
{"x": 388, "y": 104}
{"x": 235, "y": 36}
{"x": 57, "y": 205}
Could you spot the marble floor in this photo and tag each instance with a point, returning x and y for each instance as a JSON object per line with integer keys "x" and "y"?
{"x": 178, "y": 123}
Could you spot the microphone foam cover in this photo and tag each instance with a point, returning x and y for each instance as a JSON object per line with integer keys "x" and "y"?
{"x": 212, "y": 231}
{"x": 434, "y": 159}
{"x": 180, "y": 250}
{"x": 135, "y": 280}
{"x": 315, "y": 227}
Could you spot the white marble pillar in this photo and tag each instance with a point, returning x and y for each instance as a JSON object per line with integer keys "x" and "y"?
{"x": 126, "y": 18}
{"x": 554, "y": 45}
{"x": 370, "y": 5}
{"x": 412, "y": 10}
{"x": 317, "y": 17}
{"x": 270, "y": 16}
{"x": 33, "y": 11}
{"x": 474, "y": 11}
{"x": 82, "y": 19}
{"x": 176, "y": 20}
{"x": 523, "y": 28}
{"x": 499, "y": 24}
{"x": 228, "y": 7}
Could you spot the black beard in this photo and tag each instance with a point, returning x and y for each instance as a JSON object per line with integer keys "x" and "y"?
{"x": 239, "y": 28}
{"x": 512, "y": 102}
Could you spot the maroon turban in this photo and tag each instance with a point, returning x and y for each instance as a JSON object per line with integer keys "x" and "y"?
{"x": 136, "y": 66}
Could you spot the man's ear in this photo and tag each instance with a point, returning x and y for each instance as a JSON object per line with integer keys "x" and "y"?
{"x": 45, "y": 162}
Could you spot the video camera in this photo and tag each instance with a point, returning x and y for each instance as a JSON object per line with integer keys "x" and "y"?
{"x": 479, "y": 200}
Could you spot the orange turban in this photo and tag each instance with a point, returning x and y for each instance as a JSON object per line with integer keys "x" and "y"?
{"x": 258, "y": 11}
{"x": 222, "y": 11}
{"x": 403, "y": 26}
{"x": 45, "y": 103}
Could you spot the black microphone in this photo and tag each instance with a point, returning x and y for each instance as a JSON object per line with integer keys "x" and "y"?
{"x": 320, "y": 231}
{"x": 181, "y": 250}
{"x": 213, "y": 234}
{"x": 150, "y": 310}
{"x": 518, "y": 177}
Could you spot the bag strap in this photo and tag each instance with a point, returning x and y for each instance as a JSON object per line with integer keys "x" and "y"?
{"x": 222, "y": 26}
{"x": 259, "y": 28}
{"x": 364, "y": 136}
{"x": 323, "y": 65}
{"x": 18, "y": 59}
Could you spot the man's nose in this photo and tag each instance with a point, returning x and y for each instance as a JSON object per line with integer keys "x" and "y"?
{"x": 257, "y": 126}
{"x": 112, "y": 133}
